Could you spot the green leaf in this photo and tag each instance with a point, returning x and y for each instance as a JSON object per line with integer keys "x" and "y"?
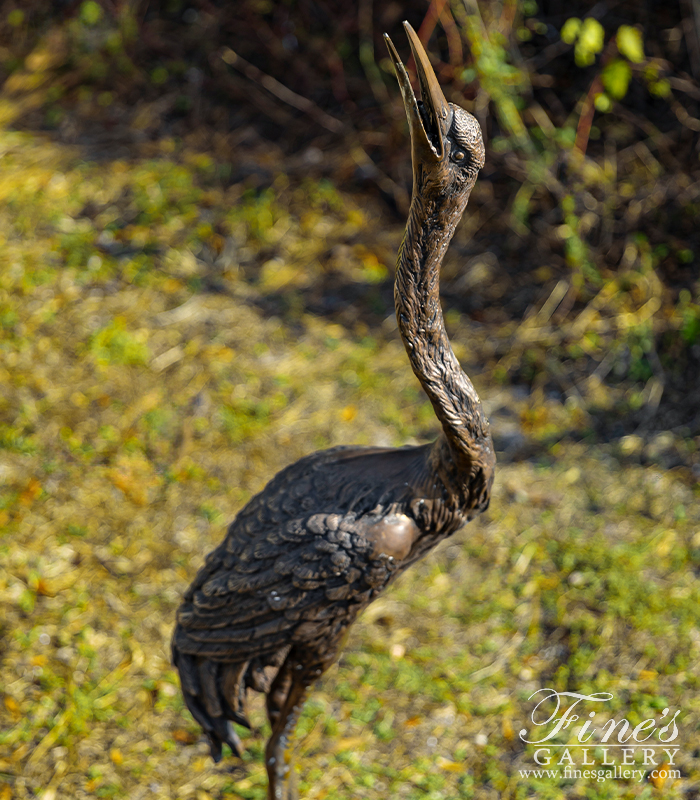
{"x": 590, "y": 42}
{"x": 630, "y": 43}
{"x": 616, "y": 78}
{"x": 90, "y": 12}
{"x": 660, "y": 88}
{"x": 592, "y": 35}
{"x": 583, "y": 57}
{"x": 602, "y": 102}
{"x": 570, "y": 30}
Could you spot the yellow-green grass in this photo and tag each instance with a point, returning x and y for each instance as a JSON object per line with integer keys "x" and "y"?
{"x": 140, "y": 410}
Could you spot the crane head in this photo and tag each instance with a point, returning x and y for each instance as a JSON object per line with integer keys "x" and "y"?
{"x": 446, "y": 139}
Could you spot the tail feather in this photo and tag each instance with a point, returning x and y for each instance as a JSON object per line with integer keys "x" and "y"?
{"x": 208, "y": 674}
{"x": 233, "y": 690}
{"x": 215, "y": 696}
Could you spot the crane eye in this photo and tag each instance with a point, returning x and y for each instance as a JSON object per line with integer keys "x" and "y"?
{"x": 458, "y": 155}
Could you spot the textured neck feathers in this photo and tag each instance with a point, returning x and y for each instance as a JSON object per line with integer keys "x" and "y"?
{"x": 431, "y": 225}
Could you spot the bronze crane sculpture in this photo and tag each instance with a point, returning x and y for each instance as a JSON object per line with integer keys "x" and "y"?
{"x": 269, "y": 609}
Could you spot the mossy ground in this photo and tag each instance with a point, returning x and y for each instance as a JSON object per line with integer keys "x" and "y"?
{"x": 151, "y": 386}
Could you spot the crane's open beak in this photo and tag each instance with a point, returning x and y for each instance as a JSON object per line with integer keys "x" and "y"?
{"x": 429, "y": 119}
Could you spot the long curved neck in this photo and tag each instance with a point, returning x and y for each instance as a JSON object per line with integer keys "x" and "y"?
{"x": 430, "y": 227}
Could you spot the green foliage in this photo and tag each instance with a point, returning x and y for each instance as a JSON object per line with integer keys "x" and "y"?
{"x": 114, "y": 344}
{"x": 159, "y": 76}
{"x": 246, "y": 418}
{"x": 117, "y": 479}
{"x": 690, "y": 315}
{"x": 570, "y": 30}
{"x": 603, "y": 103}
{"x": 15, "y": 18}
{"x": 588, "y": 38}
{"x": 90, "y": 12}
{"x": 630, "y": 43}
{"x": 589, "y": 42}
{"x": 616, "y": 76}
{"x": 15, "y": 441}
{"x": 502, "y": 80}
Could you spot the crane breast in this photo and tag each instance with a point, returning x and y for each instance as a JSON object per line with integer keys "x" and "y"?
{"x": 392, "y": 536}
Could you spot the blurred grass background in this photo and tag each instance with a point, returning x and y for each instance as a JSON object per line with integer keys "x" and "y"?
{"x": 200, "y": 206}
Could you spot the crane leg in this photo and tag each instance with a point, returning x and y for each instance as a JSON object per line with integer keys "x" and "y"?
{"x": 285, "y": 702}
{"x": 278, "y": 692}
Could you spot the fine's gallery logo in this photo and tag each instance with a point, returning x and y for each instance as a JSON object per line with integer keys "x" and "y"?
{"x": 619, "y": 749}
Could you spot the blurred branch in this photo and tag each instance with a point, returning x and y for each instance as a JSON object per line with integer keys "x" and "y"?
{"x": 691, "y": 31}
{"x": 585, "y": 122}
{"x": 440, "y": 10}
{"x": 684, "y": 117}
{"x": 685, "y": 86}
{"x": 284, "y": 94}
{"x": 497, "y": 78}
{"x": 583, "y": 130}
{"x": 358, "y": 153}
{"x": 366, "y": 30}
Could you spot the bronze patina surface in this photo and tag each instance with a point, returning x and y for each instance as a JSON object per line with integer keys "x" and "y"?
{"x": 305, "y": 556}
